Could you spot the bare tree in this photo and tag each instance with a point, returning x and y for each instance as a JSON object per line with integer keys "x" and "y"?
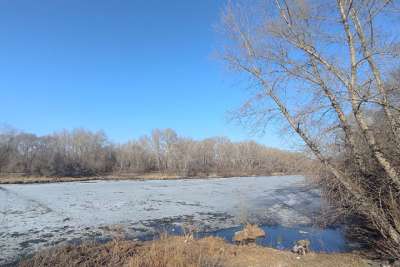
{"x": 83, "y": 153}
{"x": 320, "y": 66}
{"x": 6, "y": 140}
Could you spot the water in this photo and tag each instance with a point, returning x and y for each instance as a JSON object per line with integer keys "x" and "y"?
{"x": 36, "y": 216}
{"x": 280, "y": 237}
{"x": 328, "y": 240}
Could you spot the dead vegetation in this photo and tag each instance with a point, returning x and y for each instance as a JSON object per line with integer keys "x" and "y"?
{"x": 27, "y": 179}
{"x": 249, "y": 234}
{"x": 183, "y": 252}
{"x": 114, "y": 253}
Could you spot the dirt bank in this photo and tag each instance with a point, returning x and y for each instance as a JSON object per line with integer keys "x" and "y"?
{"x": 22, "y": 179}
{"x": 183, "y": 251}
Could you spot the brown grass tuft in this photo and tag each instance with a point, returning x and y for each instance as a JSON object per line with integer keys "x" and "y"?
{"x": 181, "y": 252}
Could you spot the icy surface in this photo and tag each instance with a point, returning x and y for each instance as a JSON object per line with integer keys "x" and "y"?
{"x": 38, "y": 215}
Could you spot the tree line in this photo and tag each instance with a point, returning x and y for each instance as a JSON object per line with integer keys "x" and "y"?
{"x": 82, "y": 152}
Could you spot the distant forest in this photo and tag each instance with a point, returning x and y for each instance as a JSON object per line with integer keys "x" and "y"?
{"x": 84, "y": 153}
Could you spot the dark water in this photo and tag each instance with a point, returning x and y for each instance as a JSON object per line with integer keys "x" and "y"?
{"x": 322, "y": 240}
{"x": 329, "y": 240}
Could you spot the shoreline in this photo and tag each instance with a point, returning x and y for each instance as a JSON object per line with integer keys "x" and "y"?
{"x": 184, "y": 250}
{"x": 4, "y": 180}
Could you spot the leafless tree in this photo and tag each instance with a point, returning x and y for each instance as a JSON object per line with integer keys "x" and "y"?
{"x": 83, "y": 153}
{"x": 320, "y": 67}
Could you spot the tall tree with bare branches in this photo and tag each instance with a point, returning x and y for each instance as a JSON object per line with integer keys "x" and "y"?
{"x": 321, "y": 68}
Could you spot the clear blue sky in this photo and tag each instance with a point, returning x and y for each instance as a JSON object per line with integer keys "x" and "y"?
{"x": 124, "y": 66}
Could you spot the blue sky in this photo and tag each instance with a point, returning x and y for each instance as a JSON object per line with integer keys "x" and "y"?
{"x": 123, "y": 66}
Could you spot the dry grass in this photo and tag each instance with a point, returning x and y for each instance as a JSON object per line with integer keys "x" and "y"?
{"x": 114, "y": 253}
{"x": 249, "y": 233}
{"x": 41, "y": 179}
{"x": 180, "y": 252}
{"x": 23, "y": 179}
{"x": 183, "y": 251}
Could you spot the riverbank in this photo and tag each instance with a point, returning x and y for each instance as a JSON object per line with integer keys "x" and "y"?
{"x": 22, "y": 179}
{"x": 184, "y": 251}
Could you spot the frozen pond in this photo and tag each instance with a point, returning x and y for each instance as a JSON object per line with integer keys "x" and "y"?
{"x": 38, "y": 215}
